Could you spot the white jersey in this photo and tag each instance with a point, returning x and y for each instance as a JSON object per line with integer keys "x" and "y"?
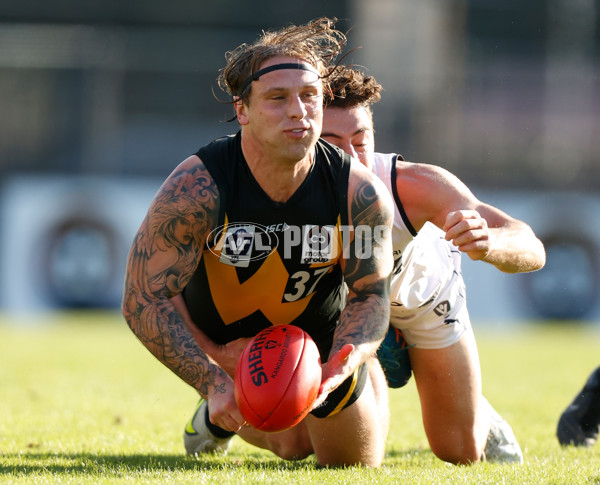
{"x": 427, "y": 291}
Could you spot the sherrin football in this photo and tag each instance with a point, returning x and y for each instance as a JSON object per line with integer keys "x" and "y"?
{"x": 277, "y": 378}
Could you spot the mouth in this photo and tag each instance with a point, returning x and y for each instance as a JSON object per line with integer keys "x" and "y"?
{"x": 298, "y": 131}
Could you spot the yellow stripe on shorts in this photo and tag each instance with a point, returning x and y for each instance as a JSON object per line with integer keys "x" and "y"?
{"x": 343, "y": 402}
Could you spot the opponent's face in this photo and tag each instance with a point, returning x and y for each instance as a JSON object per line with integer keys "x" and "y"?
{"x": 351, "y": 129}
{"x": 284, "y": 114}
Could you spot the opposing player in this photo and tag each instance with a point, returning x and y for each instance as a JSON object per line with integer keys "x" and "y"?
{"x": 436, "y": 219}
{"x": 579, "y": 423}
{"x": 254, "y": 230}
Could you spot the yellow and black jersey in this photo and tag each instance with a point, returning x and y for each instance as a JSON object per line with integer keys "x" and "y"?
{"x": 269, "y": 263}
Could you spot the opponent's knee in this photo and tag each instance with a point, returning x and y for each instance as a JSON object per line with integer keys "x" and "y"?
{"x": 458, "y": 450}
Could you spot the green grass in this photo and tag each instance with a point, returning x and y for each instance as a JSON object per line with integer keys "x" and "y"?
{"x": 82, "y": 402}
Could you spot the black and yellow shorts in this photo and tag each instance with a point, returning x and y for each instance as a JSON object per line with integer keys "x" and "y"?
{"x": 344, "y": 395}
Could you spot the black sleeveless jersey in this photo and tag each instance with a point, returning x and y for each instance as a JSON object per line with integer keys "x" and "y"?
{"x": 269, "y": 263}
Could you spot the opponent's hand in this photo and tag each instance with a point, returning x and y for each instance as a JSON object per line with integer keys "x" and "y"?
{"x": 223, "y": 410}
{"x": 335, "y": 371}
{"x": 468, "y": 231}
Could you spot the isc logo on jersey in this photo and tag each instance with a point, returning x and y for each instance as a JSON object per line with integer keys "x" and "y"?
{"x": 239, "y": 243}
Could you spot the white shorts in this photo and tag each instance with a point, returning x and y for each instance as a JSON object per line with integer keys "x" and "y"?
{"x": 441, "y": 322}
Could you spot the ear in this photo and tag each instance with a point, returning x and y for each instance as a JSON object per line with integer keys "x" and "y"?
{"x": 241, "y": 111}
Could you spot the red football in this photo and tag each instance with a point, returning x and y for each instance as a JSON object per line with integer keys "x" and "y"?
{"x": 277, "y": 378}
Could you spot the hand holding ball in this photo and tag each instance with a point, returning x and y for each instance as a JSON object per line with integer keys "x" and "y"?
{"x": 277, "y": 378}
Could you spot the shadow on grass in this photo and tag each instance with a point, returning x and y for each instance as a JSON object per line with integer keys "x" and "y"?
{"x": 79, "y": 463}
{"x": 405, "y": 455}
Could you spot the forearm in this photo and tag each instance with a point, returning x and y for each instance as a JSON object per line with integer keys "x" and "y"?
{"x": 226, "y": 356}
{"x": 516, "y": 250}
{"x": 205, "y": 342}
{"x": 164, "y": 333}
{"x": 367, "y": 269}
{"x": 363, "y": 324}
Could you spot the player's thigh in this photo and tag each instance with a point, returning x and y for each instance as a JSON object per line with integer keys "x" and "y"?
{"x": 380, "y": 389}
{"x": 449, "y": 383}
{"x": 353, "y": 436}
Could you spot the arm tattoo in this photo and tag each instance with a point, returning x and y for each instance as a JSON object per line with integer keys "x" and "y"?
{"x": 372, "y": 220}
{"x": 364, "y": 319}
{"x": 367, "y": 270}
{"x": 164, "y": 255}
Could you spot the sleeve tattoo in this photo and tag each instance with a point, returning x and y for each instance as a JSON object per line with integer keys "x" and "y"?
{"x": 368, "y": 267}
{"x": 163, "y": 257}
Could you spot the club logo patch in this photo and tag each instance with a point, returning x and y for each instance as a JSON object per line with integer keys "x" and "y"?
{"x": 239, "y": 243}
{"x": 442, "y": 308}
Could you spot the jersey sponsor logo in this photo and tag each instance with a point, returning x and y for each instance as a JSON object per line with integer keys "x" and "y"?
{"x": 317, "y": 244}
{"x": 282, "y": 226}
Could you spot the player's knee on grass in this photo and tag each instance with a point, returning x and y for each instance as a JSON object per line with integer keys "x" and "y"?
{"x": 351, "y": 437}
{"x": 457, "y": 447}
{"x": 291, "y": 444}
{"x": 295, "y": 446}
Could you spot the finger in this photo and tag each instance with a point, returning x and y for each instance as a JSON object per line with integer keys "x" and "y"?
{"x": 229, "y": 418}
{"x": 479, "y": 237}
{"x": 319, "y": 400}
{"x": 465, "y": 228}
{"x": 330, "y": 383}
{"x": 231, "y": 423}
{"x": 339, "y": 358}
{"x": 453, "y": 218}
{"x": 325, "y": 387}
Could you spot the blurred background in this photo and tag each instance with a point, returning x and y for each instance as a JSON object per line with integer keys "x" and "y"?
{"x": 100, "y": 100}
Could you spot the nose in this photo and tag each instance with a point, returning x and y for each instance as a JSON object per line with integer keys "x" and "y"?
{"x": 296, "y": 108}
{"x": 348, "y": 148}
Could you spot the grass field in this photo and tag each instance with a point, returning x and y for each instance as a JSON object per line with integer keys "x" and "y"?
{"x": 82, "y": 402}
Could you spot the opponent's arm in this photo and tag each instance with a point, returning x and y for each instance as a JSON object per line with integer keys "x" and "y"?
{"x": 164, "y": 255}
{"x": 484, "y": 232}
{"x": 367, "y": 265}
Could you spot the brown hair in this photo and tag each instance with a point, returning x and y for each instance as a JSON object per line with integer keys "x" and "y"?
{"x": 316, "y": 42}
{"x": 349, "y": 88}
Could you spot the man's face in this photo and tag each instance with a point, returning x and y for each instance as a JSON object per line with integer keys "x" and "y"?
{"x": 351, "y": 129}
{"x": 284, "y": 114}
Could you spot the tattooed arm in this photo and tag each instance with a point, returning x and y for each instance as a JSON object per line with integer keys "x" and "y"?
{"x": 165, "y": 253}
{"x": 226, "y": 355}
{"x": 367, "y": 266}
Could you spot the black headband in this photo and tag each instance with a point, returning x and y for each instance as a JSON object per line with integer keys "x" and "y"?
{"x": 276, "y": 67}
